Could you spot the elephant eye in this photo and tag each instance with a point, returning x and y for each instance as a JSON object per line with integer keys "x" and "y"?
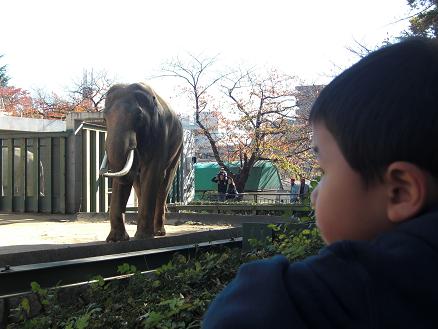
{"x": 141, "y": 113}
{"x": 139, "y": 116}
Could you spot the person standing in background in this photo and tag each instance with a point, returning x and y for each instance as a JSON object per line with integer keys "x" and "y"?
{"x": 304, "y": 189}
{"x": 294, "y": 191}
{"x": 231, "y": 189}
{"x": 222, "y": 182}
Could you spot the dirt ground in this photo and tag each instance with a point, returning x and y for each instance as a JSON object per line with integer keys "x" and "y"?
{"x": 36, "y": 231}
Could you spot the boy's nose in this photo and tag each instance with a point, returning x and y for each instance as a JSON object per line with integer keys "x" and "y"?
{"x": 314, "y": 196}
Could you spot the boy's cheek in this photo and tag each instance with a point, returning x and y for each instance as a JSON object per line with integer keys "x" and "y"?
{"x": 316, "y": 192}
{"x": 322, "y": 211}
{"x": 323, "y": 231}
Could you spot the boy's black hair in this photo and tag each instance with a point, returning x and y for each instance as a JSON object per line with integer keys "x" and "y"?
{"x": 385, "y": 108}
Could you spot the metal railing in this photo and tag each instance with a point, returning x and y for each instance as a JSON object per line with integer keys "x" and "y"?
{"x": 257, "y": 197}
{"x": 238, "y": 208}
{"x": 17, "y": 279}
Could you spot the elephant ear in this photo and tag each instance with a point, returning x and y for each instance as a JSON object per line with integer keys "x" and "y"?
{"x": 149, "y": 107}
{"x": 146, "y": 100}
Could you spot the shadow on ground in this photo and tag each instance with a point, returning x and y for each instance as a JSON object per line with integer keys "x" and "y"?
{"x": 7, "y": 219}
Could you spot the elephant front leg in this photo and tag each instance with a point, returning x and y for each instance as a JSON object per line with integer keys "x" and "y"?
{"x": 149, "y": 185}
{"x": 119, "y": 198}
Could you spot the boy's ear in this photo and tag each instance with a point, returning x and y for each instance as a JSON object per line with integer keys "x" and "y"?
{"x": 406, "y": 187}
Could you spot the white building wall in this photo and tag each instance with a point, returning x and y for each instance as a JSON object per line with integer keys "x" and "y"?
{"x": 10, "y": 123}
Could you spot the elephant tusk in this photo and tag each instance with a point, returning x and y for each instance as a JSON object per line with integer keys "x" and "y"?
{"x": 125, "y": 169}
{"x": 103, "y": 167}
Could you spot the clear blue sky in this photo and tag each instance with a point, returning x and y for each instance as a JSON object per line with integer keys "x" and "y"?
{"x": 48, "y": 43}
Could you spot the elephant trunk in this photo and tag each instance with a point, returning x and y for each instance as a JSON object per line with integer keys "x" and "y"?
{"x": 128, "y": 165}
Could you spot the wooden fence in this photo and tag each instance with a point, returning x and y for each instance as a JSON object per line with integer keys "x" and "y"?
{"x": 33, "y": 172}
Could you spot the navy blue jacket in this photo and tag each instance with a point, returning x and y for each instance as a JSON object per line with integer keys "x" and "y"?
{"x": 390, "y": 282}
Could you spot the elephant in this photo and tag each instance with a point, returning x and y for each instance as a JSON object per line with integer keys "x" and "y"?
{"x": 142, "y": 149}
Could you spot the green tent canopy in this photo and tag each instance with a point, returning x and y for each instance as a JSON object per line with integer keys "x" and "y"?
{"x": 263, "y": 176}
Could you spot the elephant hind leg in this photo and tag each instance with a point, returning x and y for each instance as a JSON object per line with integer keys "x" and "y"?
{"x": 149, "y": 184}
{"x": 137, "y": 187}
{"x": 140, "y": 234}
{"x": 159, "y": 229}
{"x": 161, "y": 206}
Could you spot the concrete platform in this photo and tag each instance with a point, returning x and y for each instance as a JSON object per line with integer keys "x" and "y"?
{"x": 27, "y": 232}
{"x": 34, "y": 238}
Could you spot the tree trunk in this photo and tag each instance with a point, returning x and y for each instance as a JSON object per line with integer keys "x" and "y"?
{"x": 243, "y": 175}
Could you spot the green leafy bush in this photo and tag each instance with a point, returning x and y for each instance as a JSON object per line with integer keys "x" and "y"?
{"x": 175, "y": 296}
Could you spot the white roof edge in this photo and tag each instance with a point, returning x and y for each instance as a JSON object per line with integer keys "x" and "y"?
{"x": 31, "y": 125}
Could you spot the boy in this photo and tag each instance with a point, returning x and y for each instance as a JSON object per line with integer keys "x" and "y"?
{"x": 375, "y": 133}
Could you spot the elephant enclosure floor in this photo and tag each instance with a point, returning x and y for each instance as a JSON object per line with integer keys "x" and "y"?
{"x": 26, "y": 232}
